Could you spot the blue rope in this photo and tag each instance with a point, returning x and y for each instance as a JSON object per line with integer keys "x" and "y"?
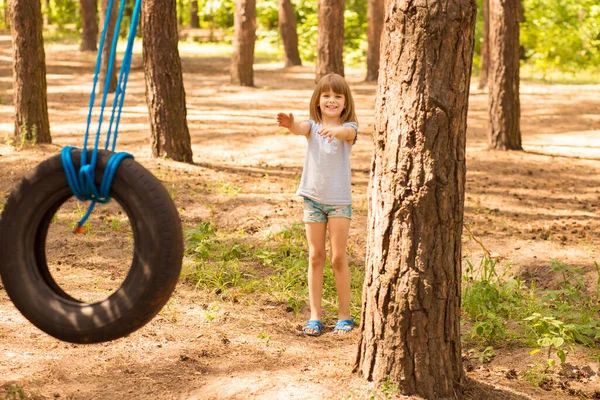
{"x": 82, "y": 182}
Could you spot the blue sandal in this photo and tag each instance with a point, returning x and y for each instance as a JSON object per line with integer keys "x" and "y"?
{"x": 313, "y": 324}
{"x": 344, "y": 325}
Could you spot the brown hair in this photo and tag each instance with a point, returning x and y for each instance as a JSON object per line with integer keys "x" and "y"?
{"x": 337, "y": 84}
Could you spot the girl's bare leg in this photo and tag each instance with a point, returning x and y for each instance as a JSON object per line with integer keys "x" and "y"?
{"x": 339, "y": 228}
{"x": 315, "y": 233}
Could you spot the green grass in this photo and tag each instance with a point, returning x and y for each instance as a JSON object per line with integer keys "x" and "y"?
{"x": 589, "y": 76}
{"x": 276, "y": 268}
{"x": 501, "y": 308}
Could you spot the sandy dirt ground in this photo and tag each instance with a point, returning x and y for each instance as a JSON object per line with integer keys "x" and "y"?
{"x": 526, "y": 208}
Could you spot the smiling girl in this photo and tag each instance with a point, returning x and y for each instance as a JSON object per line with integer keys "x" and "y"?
{"x": 325, "y": 186}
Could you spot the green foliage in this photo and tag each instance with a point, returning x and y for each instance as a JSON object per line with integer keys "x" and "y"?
{"x": 562, "y": 35}
{"x": 505, "y": 308}
{"x": 489, "y": 300}
{"x": 62, "y": 12}
{"x": 217, "y": 12}
{"x": 557, "y": 37}
{"x": 267, "y": 15}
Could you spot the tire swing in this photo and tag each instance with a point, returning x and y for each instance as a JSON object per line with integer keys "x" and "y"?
{"x": 157, "y": 231}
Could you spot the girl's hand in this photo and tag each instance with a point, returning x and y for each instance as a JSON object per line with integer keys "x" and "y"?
{"x": 330, "y": 133}
{"x": 285, "y": 120}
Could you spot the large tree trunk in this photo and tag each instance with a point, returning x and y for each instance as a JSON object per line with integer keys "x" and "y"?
{"x": 89, "y": 25}
{"x": 194, "y": 19}
{"x": 504, "y": 104}
{"x": 485, "y": 45}
{"x": 107, "y": 45}
{"x": 289, "y": 35}
{"x": 330, "y": 39}
{"x": 375, "y": 14}
{"x": 165, "y": 93}
{"x": 410, "y": 330}
{"x": 29, "y": 72}
{"x": 242, "y": 60}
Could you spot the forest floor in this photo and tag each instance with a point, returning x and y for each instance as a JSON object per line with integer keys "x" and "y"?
{"x": 526, "y": 208}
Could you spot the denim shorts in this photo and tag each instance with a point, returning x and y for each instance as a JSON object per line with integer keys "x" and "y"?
{"x": 318, "y": 212}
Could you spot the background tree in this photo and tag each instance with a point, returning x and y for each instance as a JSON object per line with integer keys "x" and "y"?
{"x": 242, "y": 60}
{"x": 89, "y": 25}
{"x": 107, "y": 45}
{"x": 29, "y": 71}
{"x": 46, "y": 15}
{"x": 410, "y": 330}
{"x": 194, "y": 19}
{"x": 375, "y": 14}
{"x": 330, "y": 40}
{"x": 289, "y": 35}
{"x": 165, "y": 93}
{"x": 504, "y": 105}
{"x": 485, "y": 44}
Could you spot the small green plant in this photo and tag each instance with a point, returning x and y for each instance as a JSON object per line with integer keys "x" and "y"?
{"x": 14, "y": 392}
{"x": 389, "y": 389}
{"x": 597, "y": 294}
{"x": 265, "y": 336}
{"x": 229, "y": 189}
{"x": 485, "y": 356}
{"x": 537, "y": 375}
{"x": 552, "y": 334}
{"x": 34, "y": 134}
{"x": 115, "y": 224}
{"x": 26, "y": 134}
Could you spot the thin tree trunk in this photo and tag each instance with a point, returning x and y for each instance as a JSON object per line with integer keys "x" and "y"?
{"x": 330, "y": 38}
{"x": 165, "y": 93}
{"x": 29, "y": 72}
{"x": 107, "y": 45}
{"x": 504, "y": 104}
{"x": 242, "y": 60}
{"x": 47, "y": 18}
{"x": 194, "y": 19}
{"x": 289, "y": 35}
{"x": 5, "y": 14}
{"x": 485, "y": 52}
{"x": 410, "y": 330}
{"x": 375, "y": 14}
{"x": 89, "y": 25}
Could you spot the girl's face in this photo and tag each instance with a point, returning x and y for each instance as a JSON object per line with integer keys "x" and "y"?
{"x": 331, "y": 104}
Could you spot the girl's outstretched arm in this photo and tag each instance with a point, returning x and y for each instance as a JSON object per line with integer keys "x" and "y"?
{"x": 297, "y": 128}
{"x": 340, "y": 132}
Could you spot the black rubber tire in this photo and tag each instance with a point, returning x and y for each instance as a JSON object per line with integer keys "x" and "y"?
{"x": 155, "y": 268}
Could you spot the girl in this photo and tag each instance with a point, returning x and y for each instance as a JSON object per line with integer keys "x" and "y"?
{"x": 325, "y": 186}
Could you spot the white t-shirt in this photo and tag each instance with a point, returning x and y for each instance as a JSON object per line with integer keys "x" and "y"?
{"x": 326, "y": 174}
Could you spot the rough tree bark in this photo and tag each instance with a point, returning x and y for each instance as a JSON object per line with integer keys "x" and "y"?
{"x": 375, "y": 14}
{"x": 242, "y": 59}
{"x": 410, "y": 331}
{"x": 485, "y": 45}
{"x": 503, "y": 81}
{"x": 29, "y": 72}
{"x": 107, "y": 45}
{"x": 165, "y": 94}
{"x": 89, "y": 25}
{"x": 330, "y": 38}
{"x": 289, "y": 35}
